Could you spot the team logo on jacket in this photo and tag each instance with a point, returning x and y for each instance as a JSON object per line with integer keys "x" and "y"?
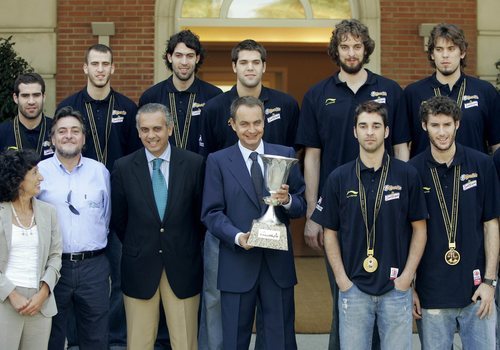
{"x": 380, "y": 96}
{"x": 330, "y": 101}
{"x": 470, "y": 176}
{"x": 471, "y": 180}
{"x": 117, "y": 116}
{"x": 394, "y": 192}
{"x": 274, "y": 114}
{"x": 351, "y": 194}
{"x": 470, "y": 101}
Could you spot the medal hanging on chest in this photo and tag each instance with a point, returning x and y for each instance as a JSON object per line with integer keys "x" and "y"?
{"x": 370, "y": 263}
{"x": 452, "y": 256}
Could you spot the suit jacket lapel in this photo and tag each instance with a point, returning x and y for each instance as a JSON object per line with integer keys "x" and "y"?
{"x": 141, "y": 171}
{"x": 240, "y": 171}
{"x": 6, "y": 221}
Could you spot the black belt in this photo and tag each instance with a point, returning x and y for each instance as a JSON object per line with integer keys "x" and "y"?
{"x": 79, "y": 256}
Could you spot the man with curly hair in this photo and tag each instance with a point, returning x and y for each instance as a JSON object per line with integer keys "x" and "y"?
{"x": 325, "y": 123}
{"x": 456, "y": 279}
{"x": 183, "y": 93}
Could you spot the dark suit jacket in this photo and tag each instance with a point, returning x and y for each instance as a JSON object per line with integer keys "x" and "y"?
{"x": 150, "y": 245}
{"x": 230, "y": 205}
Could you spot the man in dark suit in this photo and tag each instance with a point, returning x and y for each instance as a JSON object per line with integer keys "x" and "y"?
{"x": 230, "y": 204}
{"x": 156, "y": 199}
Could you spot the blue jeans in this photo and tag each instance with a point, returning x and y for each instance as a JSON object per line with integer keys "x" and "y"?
{"x": 439, "y": 325}
{"x": 357, "y": 314}
{"x": 334, "y": 341}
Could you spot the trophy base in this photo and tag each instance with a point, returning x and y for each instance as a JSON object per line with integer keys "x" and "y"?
{"x": 268, "y": 235}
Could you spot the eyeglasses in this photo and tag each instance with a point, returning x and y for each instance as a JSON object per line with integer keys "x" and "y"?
{"x": 70, "y": 206}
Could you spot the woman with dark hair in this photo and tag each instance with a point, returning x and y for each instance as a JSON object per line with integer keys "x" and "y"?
{"x": 30, "y": 254}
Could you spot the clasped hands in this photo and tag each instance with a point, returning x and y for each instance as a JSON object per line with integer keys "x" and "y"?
{"x": 31, "y": 306}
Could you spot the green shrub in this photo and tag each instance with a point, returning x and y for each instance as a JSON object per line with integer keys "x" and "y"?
{"x": 11, "y": 65}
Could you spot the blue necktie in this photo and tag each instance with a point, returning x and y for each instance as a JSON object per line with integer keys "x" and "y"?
{"x": 159, "y": 187}
{"x": 256, "y": 174}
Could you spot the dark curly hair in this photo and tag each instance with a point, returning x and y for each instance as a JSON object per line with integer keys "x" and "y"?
{"x": 14, "y": 165}
{"x": 189, "y": 39}
{"x": 439, "y": 105}
{"x": 358, "y": 30}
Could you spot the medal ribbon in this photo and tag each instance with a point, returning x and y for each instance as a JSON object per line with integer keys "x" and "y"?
{"x": 102, "y": 154}
{"x": 19, "y": 138}
{"x": 181, "y": 142}
{"x": 449, "y": 223}
{"x": 460, "y": 96}
{"x": 370, "y": 233}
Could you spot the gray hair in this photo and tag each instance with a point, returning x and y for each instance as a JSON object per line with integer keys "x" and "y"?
{"x": 153, "y": 108}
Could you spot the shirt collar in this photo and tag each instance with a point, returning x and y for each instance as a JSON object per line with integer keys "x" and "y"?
{"x": 88, "y": 98}
{"x": 458, "y": 158}
{"x": 191, "y": 89}
{"x": 165, "y": 155}
{"x": 263, "y": 96}
{"x": 363, "y": 167}
{"x": 36, "y": 128}
{"x": 245, "y": 152}
{"x": 61, "y": 165}
{"x": 370, "y": 79}
{"x": 436, "y": 84}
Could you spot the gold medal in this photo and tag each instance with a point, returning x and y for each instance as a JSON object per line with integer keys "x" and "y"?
{"x": 452, "y": 257}
{"x": 370, "y": 264}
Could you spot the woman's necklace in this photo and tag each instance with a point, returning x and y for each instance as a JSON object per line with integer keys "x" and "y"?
{"x": 26, "y": 230}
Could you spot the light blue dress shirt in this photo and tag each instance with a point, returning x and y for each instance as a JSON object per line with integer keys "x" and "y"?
{"x": 90, "y": 195}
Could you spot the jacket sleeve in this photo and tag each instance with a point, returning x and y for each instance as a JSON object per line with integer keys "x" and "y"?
{"x": 53, "y": 265}
{"x": 214, "y": 205}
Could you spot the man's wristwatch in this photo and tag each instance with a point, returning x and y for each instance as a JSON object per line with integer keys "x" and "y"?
{"x": 490, "y": 282}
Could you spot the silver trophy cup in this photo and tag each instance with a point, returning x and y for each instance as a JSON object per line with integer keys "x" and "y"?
{"x": 268, "y": 231}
